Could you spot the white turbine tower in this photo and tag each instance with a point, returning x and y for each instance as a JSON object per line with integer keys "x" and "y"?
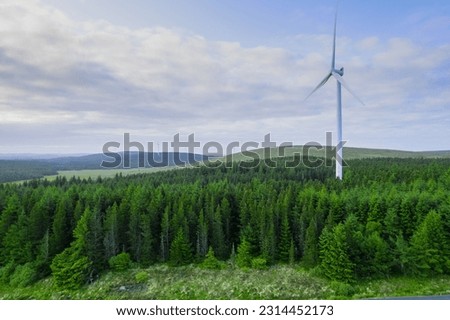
{"x": 337, "y": 74}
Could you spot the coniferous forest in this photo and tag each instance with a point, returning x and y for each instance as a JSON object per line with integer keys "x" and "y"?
{"x": 388, "y": 217}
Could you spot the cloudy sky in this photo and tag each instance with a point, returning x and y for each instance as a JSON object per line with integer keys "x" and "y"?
{"x": 76, "y": 74}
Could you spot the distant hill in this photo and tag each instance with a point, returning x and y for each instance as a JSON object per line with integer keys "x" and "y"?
{"x": 21, "y": 169}
{"x": 37, "y": 156}
{"x": 28, "y": 166}
{"x": 129, "y": 160}
{"x": 16, "y": 170}
{"x": 328, "y": 152}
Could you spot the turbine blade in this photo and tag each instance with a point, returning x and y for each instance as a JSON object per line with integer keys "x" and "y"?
{"x": 333, "y": 59}
{"x": 345, "y": 85}
{"x": 319, "y": 85}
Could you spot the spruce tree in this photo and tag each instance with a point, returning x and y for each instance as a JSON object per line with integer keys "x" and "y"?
{"x": 72, "y": 268}
{"x": 16, "y": 245}
{"x": 165, "y": 225}
{"x": 111, "y": 232}
{"x": 217, "y": 235}
{"x": 285, "y": 239}
{"x": 211, "y": 262}
{"x": 180, "y": 250}
{"x": 202, "y": 235}
{"x": 94, "y": 240}
{"x": 9, "y": 214}
{"x": 311, "y": 253}
{"x": 61, "y": 234}
{"x": 243, "y": 256}
{"x": 43, "y": 260}
{"x": 428, "y": 246}
{"x": 148, "y": 255}
{"x": 335, "y": 261}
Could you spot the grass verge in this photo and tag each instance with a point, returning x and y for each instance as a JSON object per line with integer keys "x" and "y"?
{"x": 161, "y": 282}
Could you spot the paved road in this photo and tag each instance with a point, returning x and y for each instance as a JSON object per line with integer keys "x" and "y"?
{"x": 443, "y": 297}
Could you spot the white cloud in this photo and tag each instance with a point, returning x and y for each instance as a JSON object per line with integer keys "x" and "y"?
{"x": 93, "y": 77}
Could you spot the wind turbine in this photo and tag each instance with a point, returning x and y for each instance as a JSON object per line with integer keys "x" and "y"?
{"x": 338, "y": 75}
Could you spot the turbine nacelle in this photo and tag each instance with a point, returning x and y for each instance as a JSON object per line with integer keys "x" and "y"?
{"x": 337, "y": 74}
{"x": 339, "y": 71}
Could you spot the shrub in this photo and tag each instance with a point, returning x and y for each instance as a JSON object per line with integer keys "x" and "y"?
{"x": 23, "y": 276}
{"x": 259, "y": 263}
{"x": 6, "y": 272}
{"x": 141, "y": 277}
{"x": 120, "y": 262}
{"x": 342, "y": 289}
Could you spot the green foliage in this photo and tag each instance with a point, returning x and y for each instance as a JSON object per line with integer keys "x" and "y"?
{"x": 16, "y": 170}
{"x": 23, "y": 275}
{"x": 192, "y": 282}
{"x": 259, "y": 263}
{"x": 243, "y": 256}
{"x": 388, "y": 217}
{"x": 211, "y": 262}
{"x": 180, "y": 250}
{"x": 165, "y": 226}
{"x": 377, "y": 256}
{"x": 342, "y": 289}
{"x": 141, "y": 277}
{"x": 120, "y": 262}
{"x": 311, "y": 255}
{"x": 70, "y": 270}
{"x": 285, "y": 239}
{"x": 429, "y": 247}
{"x": 111, "y": 238}
{"x": 202, "y": 236}
{"x": 292, "y": 253}
{"x": 233, "y": 256}
{"x": 6, "y": 271}
{"x": 334, "y": 251}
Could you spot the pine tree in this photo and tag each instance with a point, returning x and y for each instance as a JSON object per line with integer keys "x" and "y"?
{"x": 211, "y": 262}
{"x": 335, "y": 261}
{"x": 43, "y": 260}
{"x": 40, "y": 217}
{"x": 135, "y": 234}
{"x": 217, "y": 235}
{"x": 61, "y": 235}
{"x": 165, "y": 235}
{"x": 428, "y": 246}
{"x": 226, "y": 217}
{"x": 111, "y": 232}
{"x": 285, "y": 239}
{"x": 148, "y": 254}
{"x": 292, "y": 253}
{"x": 9, "y": 214}
{"x": 180, "y": 250}
{"x": 243, "y": 256}
{"x": 377, "y": 256}
{"x": 268, "y": 241}
{"x": 401, "y": 256}
{"x": 94, "y": 240}
{"x": 16, "y": 245}
{"x": 72, "y": 268}
{"x": 202, "y": 236}
{"x": 311, "y": 254}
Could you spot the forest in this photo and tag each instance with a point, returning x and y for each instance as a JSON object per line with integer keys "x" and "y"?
{"x": 19, "y": 169}
{"x": 388, "y": 217}
{"x": 16, "y": 170}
